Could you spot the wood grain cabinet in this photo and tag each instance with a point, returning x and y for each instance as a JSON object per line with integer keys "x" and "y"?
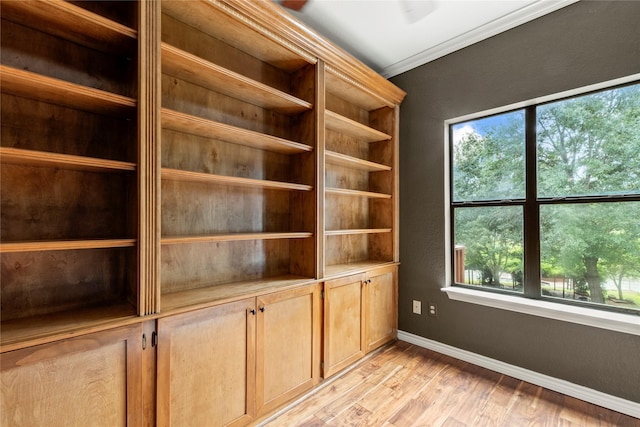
{"x": 204, "y": 164}
{"x": 360, "y": 315}
{"x": 228, "y": 364}
{"x": 381, "y": 307}
{"x": 206, "y": 362}
{"x": 92, "y": 380}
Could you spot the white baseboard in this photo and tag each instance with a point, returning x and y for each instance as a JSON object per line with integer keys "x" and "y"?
{"x": 599, "y": 398}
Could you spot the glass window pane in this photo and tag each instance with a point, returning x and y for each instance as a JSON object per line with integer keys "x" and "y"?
{"x": 590, "y": 145}
{"x": 591, "y": 252}
{"x": 488, "y": 158}
{"x": 489, "y": 247}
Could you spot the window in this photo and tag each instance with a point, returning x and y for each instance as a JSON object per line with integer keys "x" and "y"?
{"x": 545, "y": 200}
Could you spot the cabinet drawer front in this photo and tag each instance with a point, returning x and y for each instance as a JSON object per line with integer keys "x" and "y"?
{"x": 343, "y": 328}
{"x": 287, "y": 342}
{"x": 89, "y": 380}
{"x": 203, "y": 366}
{"x": 381, "y": 304}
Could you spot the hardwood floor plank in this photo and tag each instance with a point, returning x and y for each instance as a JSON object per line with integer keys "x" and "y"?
{"x": 404, "y": 385}
{"x": 468, "y": 409}
{"x": 348, "y": 400}
{"x": 353, "y": 415}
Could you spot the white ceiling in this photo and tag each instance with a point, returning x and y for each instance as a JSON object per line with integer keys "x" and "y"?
{"x": 380, "y": 32}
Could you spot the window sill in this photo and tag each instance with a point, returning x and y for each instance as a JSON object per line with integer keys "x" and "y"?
{"x": 626, "y": 323}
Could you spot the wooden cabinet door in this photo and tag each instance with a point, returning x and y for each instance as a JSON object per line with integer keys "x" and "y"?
{"x": 288, "y": 345}
{"x": 343, "y": 323}
{"x": 206, "y": 362}
{"x": 381, "y": 317}
{"x": 90, "y": 380}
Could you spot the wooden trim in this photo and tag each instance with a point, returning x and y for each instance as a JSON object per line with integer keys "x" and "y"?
{"x": 320, "y": 132}
{"x": 396, "y": 184}
{"x": 149, "y": 134}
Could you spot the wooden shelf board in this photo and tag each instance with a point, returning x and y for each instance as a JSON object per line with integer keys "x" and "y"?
{"x": 73, "y": 23}
{"x": 353, "y": 162}
{"x": 331, "y": 271}
{"x": 193, "y": 125}
{"x": 47, "y": 89}
{"x": 339, "y": 123}
{"x": 20, "y": 333}
{"x": 353, "y": 92}
{"x": 233, "y": 237}
{"x": 217, "y": 294}
{"x": 65, "y": 245}
{"x": 356, "y": 193}
{"x": 64, "y": 161}
{"x": 357, "y": 231}
{"x": 181, "y": 175}
{"x": 181, "y": 64}
{"x": 257, "y": 41}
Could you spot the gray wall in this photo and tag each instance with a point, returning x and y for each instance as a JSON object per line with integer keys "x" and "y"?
{"x": 584, "y": 43}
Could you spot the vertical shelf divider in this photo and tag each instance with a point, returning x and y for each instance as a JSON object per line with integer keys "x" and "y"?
{"x": 149, "y": 110}
{"x": 320, "y": 160}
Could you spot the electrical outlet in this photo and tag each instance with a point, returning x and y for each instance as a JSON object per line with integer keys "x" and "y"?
{"x": 417, "y": 307}
{"x": 433, "y": 310}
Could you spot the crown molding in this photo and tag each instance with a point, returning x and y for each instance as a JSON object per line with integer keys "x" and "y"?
{"x": 497, "y": 26}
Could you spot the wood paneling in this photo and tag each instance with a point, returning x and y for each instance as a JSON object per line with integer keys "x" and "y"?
{"x": 381, "y": 304}
{"x": 288, "y": 345}
{"x": 205, "y": 366}
{"x": 88, "y": 380}
{"x": 343, "y": 323}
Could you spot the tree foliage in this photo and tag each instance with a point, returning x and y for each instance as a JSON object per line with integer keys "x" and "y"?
{"x": 586, "y": 146}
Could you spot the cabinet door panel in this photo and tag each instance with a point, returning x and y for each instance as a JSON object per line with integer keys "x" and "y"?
{"x": 343, "y": 323}
{"x": 94, "y": 380}
{"x": 204, "y": 360}
{"x": 381, "y": 304}
{"x": 288, "y": 345}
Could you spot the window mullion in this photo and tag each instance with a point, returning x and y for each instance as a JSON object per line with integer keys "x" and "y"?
{"x": 531, "y": 210}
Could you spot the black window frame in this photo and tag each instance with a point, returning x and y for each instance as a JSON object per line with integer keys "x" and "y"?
{"x": 531, "y": 204}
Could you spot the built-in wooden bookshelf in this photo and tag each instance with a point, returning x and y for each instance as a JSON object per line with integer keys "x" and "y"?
{"x": 361, "y": 177}
{"x": 241, "y": 131}
{"x": 69, "y": 169}
{"x": 171, "y": 164}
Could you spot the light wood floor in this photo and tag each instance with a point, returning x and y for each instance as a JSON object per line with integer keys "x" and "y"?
{"x": 404, "y": 385}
